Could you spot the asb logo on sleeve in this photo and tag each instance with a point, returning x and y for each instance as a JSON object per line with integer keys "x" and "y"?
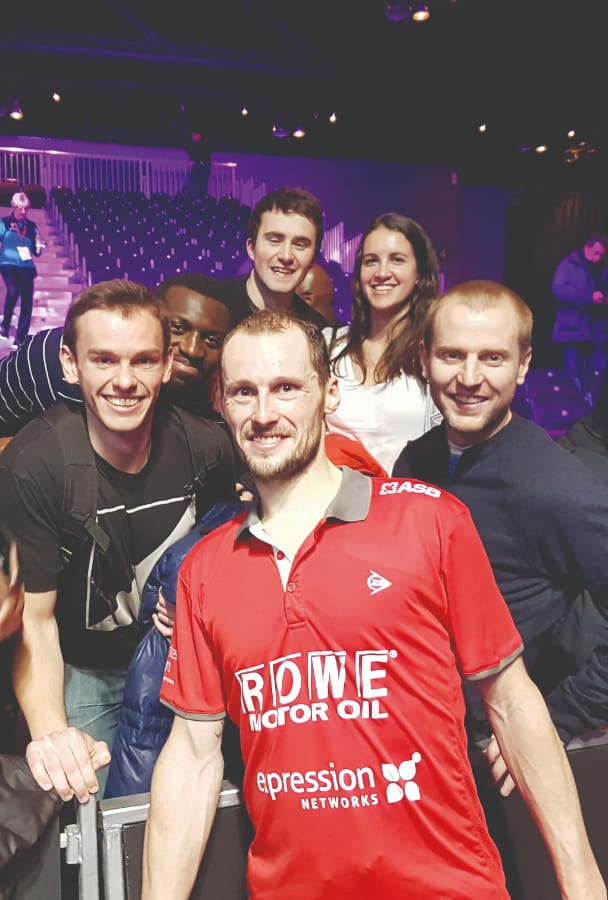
{"x": 408, "y": 487}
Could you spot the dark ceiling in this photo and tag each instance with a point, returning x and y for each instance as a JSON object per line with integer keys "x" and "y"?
{"x": 133, "y": 71}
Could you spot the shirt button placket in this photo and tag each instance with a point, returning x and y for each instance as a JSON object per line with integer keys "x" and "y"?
{"x": 292, "y": 605}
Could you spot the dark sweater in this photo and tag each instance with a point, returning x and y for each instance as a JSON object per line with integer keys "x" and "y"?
{"x": 543, "y": 519}
{"x": 234, "y": 293}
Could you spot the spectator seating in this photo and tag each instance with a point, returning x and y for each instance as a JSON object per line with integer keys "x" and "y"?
{"x": 592, "y": 384}
{"x": 118, "y": 235}
{"x": 563, "y": 392}
{"x": 555, "y": 400}
{"x": 557, "y": 416}
{"x": 547, "y": 376}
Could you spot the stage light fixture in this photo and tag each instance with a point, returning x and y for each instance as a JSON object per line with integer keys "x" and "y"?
{"x": 16, "y": 111}
{"x": 298, "y": 133}
{"x": 421, "y": 12}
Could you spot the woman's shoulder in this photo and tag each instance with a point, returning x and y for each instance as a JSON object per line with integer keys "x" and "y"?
{"x": 335, "y": 333}
{"x": 335, "y": 338}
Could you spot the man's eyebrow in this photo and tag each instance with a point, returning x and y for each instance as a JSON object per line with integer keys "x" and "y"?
{"x": 104, "y": 351}
{"x": 442, "y": 348}
{"x": 238, "y": 382}
{"x": 97, "y": 350}
{"x": 281, "y": 235}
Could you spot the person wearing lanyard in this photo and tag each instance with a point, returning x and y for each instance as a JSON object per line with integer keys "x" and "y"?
{"x": 20, "y": 240}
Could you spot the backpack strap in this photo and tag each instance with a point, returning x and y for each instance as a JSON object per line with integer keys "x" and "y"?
{"x": 211, "y": 452}
{"x": 79, "y": 513}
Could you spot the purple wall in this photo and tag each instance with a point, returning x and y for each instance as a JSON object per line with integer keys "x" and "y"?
{"x": 467, "y": 223}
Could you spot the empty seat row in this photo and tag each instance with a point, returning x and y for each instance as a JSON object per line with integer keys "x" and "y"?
{"x": 554, "y": 399}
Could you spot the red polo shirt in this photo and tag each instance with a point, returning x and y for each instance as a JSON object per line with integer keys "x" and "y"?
{"x": 344, "y": 681}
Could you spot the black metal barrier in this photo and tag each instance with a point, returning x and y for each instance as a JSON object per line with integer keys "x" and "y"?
{"x": 121, "y": 823}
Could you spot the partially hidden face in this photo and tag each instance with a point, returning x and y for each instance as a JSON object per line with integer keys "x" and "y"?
{"x": 198, "y": 327}
{"x": 274, "y": 403}
{"x": 317, "y": 290}
{"x": 284, "y": 250}
{"x": 120, "y": 366}
{"x": 388, "y": 270}
{"x": 473, "y": 366}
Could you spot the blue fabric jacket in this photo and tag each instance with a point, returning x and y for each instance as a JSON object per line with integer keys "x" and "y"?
{"x": 573, "y": 281}
{"x": 573, "y": 285}
{"x": 11, "y": 239}
{"x": 145, "y": 723}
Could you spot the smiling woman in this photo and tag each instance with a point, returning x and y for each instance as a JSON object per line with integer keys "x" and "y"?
{"x": 384, "y": 400}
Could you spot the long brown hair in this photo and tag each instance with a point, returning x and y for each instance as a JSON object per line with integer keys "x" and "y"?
{"x": 401, "y": 354}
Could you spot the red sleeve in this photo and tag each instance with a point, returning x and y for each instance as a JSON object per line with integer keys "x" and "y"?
{"x": 192, "y": 684}
{"x": 485, "y": 637}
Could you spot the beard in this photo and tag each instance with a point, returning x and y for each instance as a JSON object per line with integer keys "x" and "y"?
{"x": 478, "y": 429}
{"x": 283, "y": 467}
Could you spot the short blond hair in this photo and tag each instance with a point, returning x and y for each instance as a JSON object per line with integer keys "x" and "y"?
{"x": 479, "y": 296}
{"x": 279, "y": 321}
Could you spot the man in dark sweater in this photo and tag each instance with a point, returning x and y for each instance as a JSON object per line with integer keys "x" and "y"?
{"x": 542, "y": 516}
{"x": 285, "y": 233}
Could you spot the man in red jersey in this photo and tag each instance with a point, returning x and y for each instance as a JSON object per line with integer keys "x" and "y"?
{"x": 332, "y": 622}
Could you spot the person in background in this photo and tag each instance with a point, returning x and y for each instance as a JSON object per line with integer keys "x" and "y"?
{"x": 285, "y": 234}
{"x": 383, "y": 397}
{"x": 332, "y": 622}
{"x": 20, "y": 242}
{"x": 580, "y": 286}
{"x": 317, "y": 290}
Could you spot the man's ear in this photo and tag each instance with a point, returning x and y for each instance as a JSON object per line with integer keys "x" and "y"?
{"x": 68, "y": 364}
{"x": 332, "y": 396}
{"x": 168, "y": 366}
{"x": 424, "y": 359}
{"x": 524, "y": 365}
{"x": 250, "y": 249}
